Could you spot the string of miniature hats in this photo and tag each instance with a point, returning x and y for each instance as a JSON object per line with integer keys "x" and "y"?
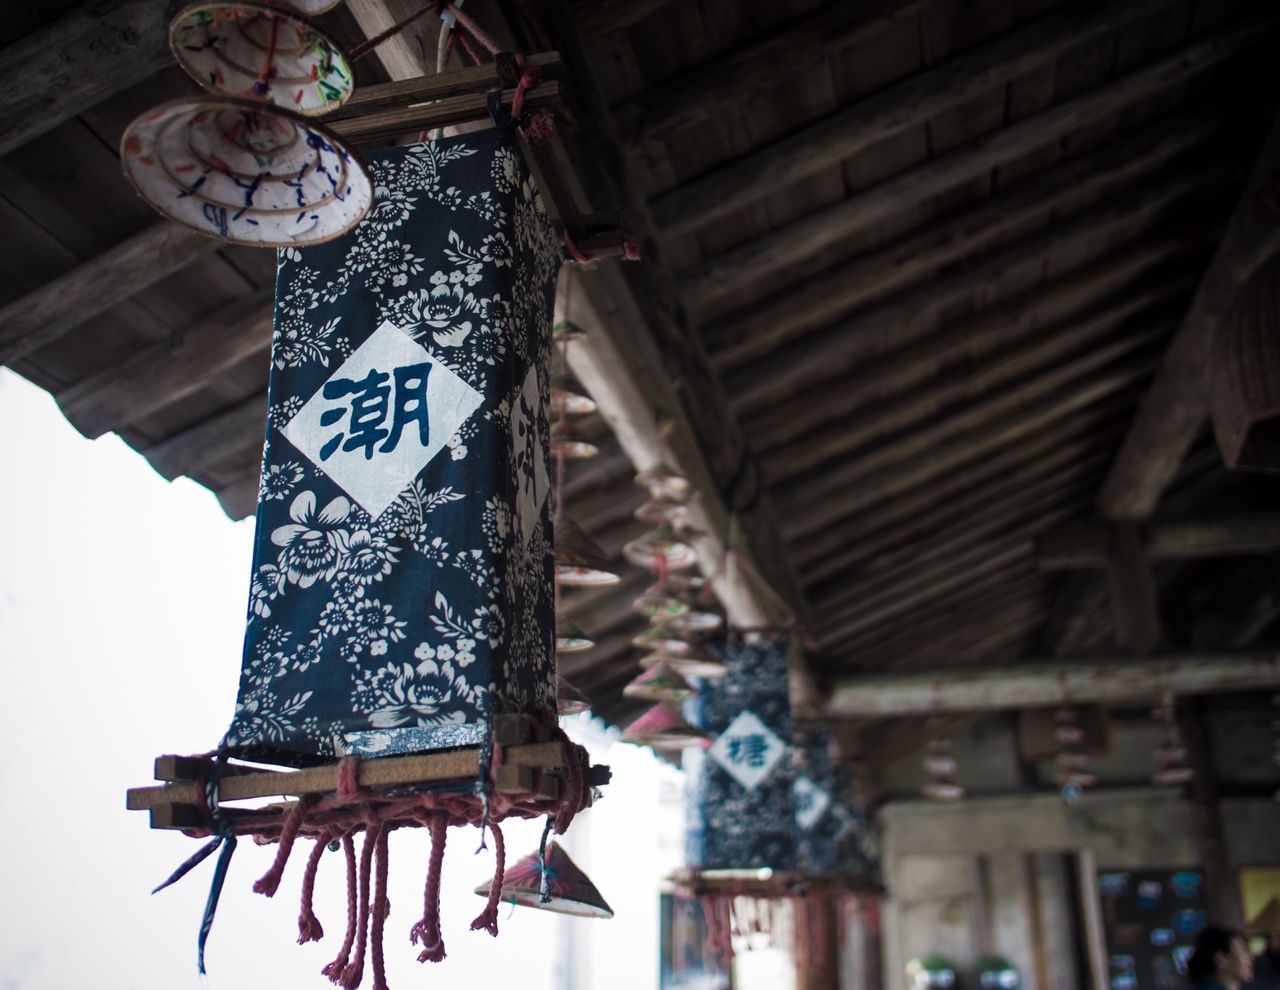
{"x": 247, "y": 163}
{"x": 580, "y": 562}
{"x": 678, "y": 617}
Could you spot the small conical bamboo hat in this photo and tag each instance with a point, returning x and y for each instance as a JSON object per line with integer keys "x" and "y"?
{"x": 570, "y": 890}
{"x": 569, "y": 700}
{"x": 661, "y": 682}
{"x": 663, "y": 727}
{"x": 245, "y": 173}
{"x": 579, "y": 560}
{"x": 256, "y": 52}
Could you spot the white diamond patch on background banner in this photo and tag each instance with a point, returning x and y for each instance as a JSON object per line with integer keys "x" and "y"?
{"x": 811, "y": 801}
{"x": 747, "y": 750}
{"x": 381, "y": 417}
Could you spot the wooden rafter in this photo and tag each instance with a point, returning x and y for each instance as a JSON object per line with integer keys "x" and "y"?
{"x": 50, "y": 312}
{"x": 1089, "y": 544}
{"x": 1044, "y": 682}
{"x": 87, "y": 55}
{"x": 800, "y": 239}
{"x": 1174, "y": 409}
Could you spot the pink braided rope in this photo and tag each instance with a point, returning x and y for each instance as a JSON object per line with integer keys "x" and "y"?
{"x": 334, "y": 969}
{"x": 309, "y": 927}
{"x": 354, "y": 972}
{"x": 427, "y": 931}
{"x": 488, "y": 918}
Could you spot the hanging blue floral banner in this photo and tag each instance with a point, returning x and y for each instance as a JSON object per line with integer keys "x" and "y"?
{"x": 402, "y": 573}
{"x": 740, "y": 796}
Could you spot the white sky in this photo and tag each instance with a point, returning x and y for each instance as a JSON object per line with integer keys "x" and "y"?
{"x": 122, "y": 599}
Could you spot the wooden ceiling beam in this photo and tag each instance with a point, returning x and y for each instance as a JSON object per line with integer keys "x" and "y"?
{"x": 56, "y": 308}
{"x": 892, "y": 468}
{"x": 993, "y": 383}
{"x": 235, "y": 433}
{"x": 597, "y": 17}
{"x": 891, "y": 110}
{"x": 89, "y": 54}
{"x": 821, "y": 555}
{"x": 899, "y": 369}
{"x": 167, "y": 372}
{"x": 828, "y": 570}
{"x": 1175, "y": 407}
{"x": 773, "y": 59}
{"x": 862, "y": 607}
{"x": 1046, "y": 682}
{"x": 906, "y": 317}
{"x": 796, "y": 242}
{"x": 1067, "y": 486}
{"x": 941, "y": 631}
{"x": 758, "y": 328}
{"x": 1089, "y": 544}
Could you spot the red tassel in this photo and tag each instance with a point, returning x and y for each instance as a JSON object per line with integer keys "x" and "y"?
{"x": 352, "y": 975}
{"x": 335, "y": 968}
{"x": 488, "y": 918}
{"x": 381, "y": 908}
{"x": 309, "y": 927}
{"x": 427, "y": 931}
{"x": 269, "y": 883}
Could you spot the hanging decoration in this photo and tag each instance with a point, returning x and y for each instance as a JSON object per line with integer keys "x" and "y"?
{"x": 245, "y": 173}
{"x": 580, "y": 563}
{"x": 664, "y": 728}
{"x": 1071, "y": 761}
{"x": 1171, "y": 755}
{"x": 254, "y": 51}
{"x": 940, "y": 765}
{"x": 401, "y": 633}
{"x": 661, "y": 682}
{"x": 549, "y": 882}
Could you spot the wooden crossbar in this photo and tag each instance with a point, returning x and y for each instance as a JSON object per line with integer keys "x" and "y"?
{"x": 391, "y": 771}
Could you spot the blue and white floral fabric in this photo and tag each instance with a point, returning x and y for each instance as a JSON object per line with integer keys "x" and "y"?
{"x": 402, "y": 573}
{"x": 740, "y": 798}
{"x": 832, "y": 834}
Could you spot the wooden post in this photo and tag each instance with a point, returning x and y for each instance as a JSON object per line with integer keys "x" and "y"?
{"x": 817, "y": 941}
{"x": 1220, "y": 886}
{"x": 1135, "y": 609}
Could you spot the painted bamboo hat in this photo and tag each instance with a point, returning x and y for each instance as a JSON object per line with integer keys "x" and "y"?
{"x": 662, "y": 482}
{"x": 661, "y": 682}
{"x": 256, "y": 52}
{"x": 663, "y": 727}
{"x": 245, "y": 173}
{"x": 579, "y": 560}
{"x": 569, "y": 700}
{"x": 660, "y": 550}
{"x": 567, "y": 444}
{"x": 694, "y": 663}
{"x": 568, "y": 889}
{"x": 569, "y": 636}
{"x": 568, "y": 399}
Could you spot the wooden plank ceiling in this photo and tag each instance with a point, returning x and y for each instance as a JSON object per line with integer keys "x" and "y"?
{"x": 930, "y": 252}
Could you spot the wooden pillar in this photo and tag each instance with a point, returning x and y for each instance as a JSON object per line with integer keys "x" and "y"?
{"x": 1220, "y": 884}
{"x": 1134, "y": 607}
{"x": 817, "y": 941}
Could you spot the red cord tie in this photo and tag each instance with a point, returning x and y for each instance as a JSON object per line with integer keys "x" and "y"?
{"x": 269, "y": 883}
